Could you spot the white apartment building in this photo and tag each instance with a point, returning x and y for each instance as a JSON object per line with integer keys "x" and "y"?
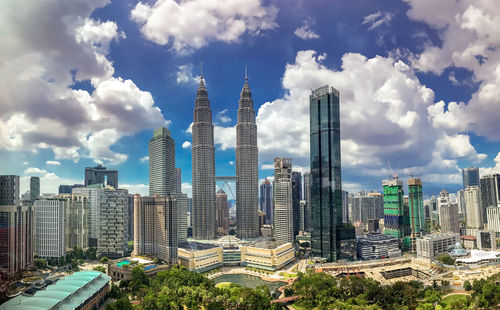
{"x": 473, "y": 204}
{"x": 50, "y": 228}
{"x": 282, "y": 200}
{"x": 431, "y": 246}
{"x": 493, "y": 215}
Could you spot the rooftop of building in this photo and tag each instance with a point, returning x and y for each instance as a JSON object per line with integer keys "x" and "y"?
{"x": 196, "y": 246}
{"x": 439, "y": 236}
{"x": 477, "y": 256}
{"x": 67, "y": 293}
{"x": 377, "y": 237}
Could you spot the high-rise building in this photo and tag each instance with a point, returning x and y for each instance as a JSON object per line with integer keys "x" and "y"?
{"x": 93, "y": 201}
{"x": 296, "y": 198}
{"x": 393, "y": 207}
{"x": 490, "y": 191}
{"x": 307, "y": 198}
{"x": 155, "y": 227}
{"x": 68, "y": 189}
{"x": 266, "y": 201}
{"x": 182, "y": 220}
{"x": 442, "y": 200}
{"x": 470, "y": 176}
{"x": 461, "y": 201}
{"x": 222, "y": 213}
{"x": 9, "y": 189}
{"x": 302, "y": 215}
{"x": 493, "y": 215}
{"x": 101, "y": 175}
{"x": 345, "y": 206}
{"x": 247, "y": 171}
{"x": 50, "y": 228}
{"x": 130, "y": 202}
{"x": 473, "y": 205}
{"x": 282, "y": 200}
{"x": 416, "y": 210}
{"x": 366, "y": 206}
{"x": 16, "y": 239}
{"x": 34, "y": 188}
{"x": 203, "y": 168}
{"x": 162, "y": 174}
{"x": 178, "y": 180}
{"x": 430, "y": 247}
{"x": 326, "y": 186}
{"x": 449, "y": 218}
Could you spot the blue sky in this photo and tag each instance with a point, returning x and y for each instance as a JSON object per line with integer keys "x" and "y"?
{"x": 86, "y": 82}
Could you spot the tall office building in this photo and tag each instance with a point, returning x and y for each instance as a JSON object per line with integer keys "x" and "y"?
{"x": 449, "y": 218}
{"x": 266, "y": 201}
{"x": 393, "y": 207}
{"x": 365, "y": 207}
{"x": 9, "y": 189}
{"x": 222, "y": 213}
{"x": 296, "y": 198}
{"x": 162, "y": 174}
{"x": 203, "y": 168}
{"x": 461, "y": 201}
{"x": 302, "y": 215}
{"x": 155, "y": 227}
{"x": 34, "y": 188}
{"x": 416, "y": 210}
{"x": 473, "y": 205}
{"x": 493, "y": 214}
{"x": 282, "y": 200}
{"x": 68, "y": 189}
{"x": 178, "y": 180}
{"x": 442, "y": 200}
{"x": 247, "y": 171}
{"x": 50, "y": 228}
{"x": 16, "y": 239}
{"x": 345, "y": 206}
{"x": 101, "y": 175}
{"x": 76, "y": 216}
{"x": 182, "y": 220}
{"x": 470, "y": 176}
{"x": 490, "y": 191}
{"x": 326, "y": 185}
{"x": 130, "y": 203}
{"x": 307, "y": 198}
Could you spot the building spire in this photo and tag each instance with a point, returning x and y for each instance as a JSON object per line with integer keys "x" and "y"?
{"x": 201, "y": 76}
{"x": 246, "y": 75}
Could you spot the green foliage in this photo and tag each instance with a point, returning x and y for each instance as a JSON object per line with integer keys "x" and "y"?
{"x": 115, "y": 292}
{"x": 139, "y": 279}
{"x": 467, "y": 285}
{"x": 104, "y": 260}
{"x": 446, "y": 259}
{"x": 100, "y": 269}
{"x": 40, "y": 263}
{"x": 91, "y": 253}
{"x": 288, "y": 292}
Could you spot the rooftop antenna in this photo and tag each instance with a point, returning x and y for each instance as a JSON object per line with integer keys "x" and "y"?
{"x": 201, "y": 70}
{"x": 246, "y": 76}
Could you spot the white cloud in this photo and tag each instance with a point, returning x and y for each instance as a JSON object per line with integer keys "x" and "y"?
{"x": 491, "y": 170}
{"x": 305, "y": 32}
{"x": 225, "y": 137}
{"x": 49, "y": 182}
{"x": 186, "y": 144}
{"x": 189, "y": 129}
{"x": 141, "y": 189}
{"x": 192, "y": 24}
{"x": 26, "y": 163}
{"x": 53, "y": 163}
{"x": 222, "y": 116}
{"x": 144, "y": 159}
{"x": 39, "y": 108}
{"x": 185, "y": 75}
{"x": 34, "y": 170}
{"x": 377, "y": 19}
{"x": 231, "y": 163}
{"x": 187, "y": 188}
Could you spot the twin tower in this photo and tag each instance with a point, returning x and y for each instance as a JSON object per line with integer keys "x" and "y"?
{"x": 203, "y": 167}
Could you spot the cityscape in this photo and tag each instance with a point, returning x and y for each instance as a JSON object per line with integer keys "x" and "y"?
{"x": 372, "y": 181}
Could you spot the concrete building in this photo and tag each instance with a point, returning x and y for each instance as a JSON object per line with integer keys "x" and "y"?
{"x": 461, "y": 201}
{"x": 266, "y": 201}
{"x": 222, "y": 213}
{"x": 307, "y": 198}
{"x": 326, "y": 185}
{"x": 203, "y": 168}
{"x": 416, "y": 210}
{"x": 16, "y": 239}
{"x": 470, "y": 176}
{"x": 68, "y": 189}
{"x": 155, "y": 227}
{"x": 302, "y": 215}
{"x": 296, "y": 198}
{"x": 493, "y": 215}
{"x": 366, "y": 206}
{"x": 486, "y": 240}
{"x": 93, "y": 201}
{"x": 473, "y": 206}
{"x": 178, "y": 180}
{"x": 267, "y": 255}
{"x": 247, "y": 167}
{"x": 345, "y": 207}
{"x": 200, "y": 257}
{"x": 431, "y": 246}
{"x": 130, "y": 203}
{"x": 490, "y": 191}
{"x": 162, "y": 174}
{"x": 101, "y": 176}
{"x": 121, "y": 269}
{"x": 50, "y": 228}
{"x": 34, "y": 188}
{"x": 449, "y": 218}
{"x": 393, "y": 207}
{"x": 9, "y": 189}
{"x": 182, "y": 218}
{"x": 375, "y": 246}
{"x": 282, "y": 200}
{"x": 442, "y": 200}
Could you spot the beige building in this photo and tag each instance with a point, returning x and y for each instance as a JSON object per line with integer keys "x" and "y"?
{"x": 431, "y": 246}
{"x": 268, "y": 256}
{"x": 473, "y": 204}
{"x": 222, "y": 213}
{"x": 155, "y": 227}
{"x": 282, "y": 200}
{"x": 200, "y": 257}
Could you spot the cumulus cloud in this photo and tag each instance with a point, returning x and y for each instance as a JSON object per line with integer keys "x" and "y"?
{"x": 186, "y": 144}
{"x": 49, "y": 182}
{"x": 185, "y": 75}
{"x": 305, "y": 32}
{"x": 377, "y": 19}
{"x": 192, "y": 24}
{"x": 470, "y": 39}
{"x": 141, "y": 189}
{"x": 491, "y": 170}
{"x": 39, "y": 107}
{"x": 222, "y": 116}
{"x": 34, "y": 170}
{"x": 187, "y": 188}
{"x": 53, "y": 163}
{"x": 144, "y": 159}
{"x": 231, "y": 163}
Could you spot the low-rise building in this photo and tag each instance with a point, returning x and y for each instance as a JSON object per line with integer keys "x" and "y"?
{"x": 431, "y": 246}
{"x": 199, "y": 257}
{"x": 375, "y": 246}
{"x": 121, "y": 269}
{"x": 267, "y": 255}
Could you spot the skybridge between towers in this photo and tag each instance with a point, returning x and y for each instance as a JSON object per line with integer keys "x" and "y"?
{"x": 226, "y": 180}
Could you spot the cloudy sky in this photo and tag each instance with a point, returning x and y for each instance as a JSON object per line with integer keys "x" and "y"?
{"x": 87, "y": 81}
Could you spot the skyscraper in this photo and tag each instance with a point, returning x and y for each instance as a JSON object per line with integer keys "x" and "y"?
{"x": 393, "y": 207}
{"x": 490, "y": 191}
{"x": 296, "y": 198}
{"x": 345, "y": 207}
{"x": 203, "y": 167}
{"x": 365, "y": 207}
{"x": 282, "y": 200}
{"x": 162, "y": 174}
{"x": 34, "y": 188}
{"x": 416, "y": 208}
{"x": 470, "y": 176}
{"x": 178, "y": 180}
{"x": 266, "y": 201}
{"x": 101, "y": 175}
{"x": 247, "y": 173}
{"x": 222, "y": 213}
{"x": 449, "y": 218}
{"x": 326, "y": 184}
{"x": 473, "y": 206}
{"x": 307, "y": 198}
{"x": 9, "y": 189}
{"x": 50, "y": 228}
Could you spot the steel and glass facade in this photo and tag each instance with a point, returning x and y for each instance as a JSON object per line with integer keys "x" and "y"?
{"x": 393, "y": 207}
{"x": 416, "y": 208}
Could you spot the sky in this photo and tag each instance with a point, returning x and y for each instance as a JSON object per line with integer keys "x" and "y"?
{"x": 86, "y": 82}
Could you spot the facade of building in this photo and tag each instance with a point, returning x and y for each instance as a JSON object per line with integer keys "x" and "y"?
{"x": 178, "y": 180}
{"x": 182, "y": 218}
{"x": 282, "y": 200}
{"x": 50, "y": 228}
{"x": 222, "y": 213}
{"x": 393, "y": 207}
{"x": 247, "y": 169}
{"x": 112, "y": 223}
{"x": 203, "y": 168}
{"x": 431, "y": 246}
{"x": 68, "y": 189}
{"x": 493, "y": 215}
{"x": 302, "y": 215}
{"x": 470, "y": 176}
{"x": 376, "y": 246}
{"x": 271, "y": 256}
{"x": 34, "y": 188}
{"x": 345, "y": 207}
{"x": 490, "y": 191}
{"x": 473, "y": 206}
{"x": 307, "y": 198}
{"x": 121, "y": 269}
{"x": 93, "y": 201}
{"x": 200, "y": 257}
{"x": 365, "y": 207}
{"x": 155, "y": 227}
{"x": 416, "y": 210}
{"x": 162, "y": 174}
{"x": 326, "y": 185}
{"x": 266, "y": 200}
{"x": 9, "y": 189}
{"x": 486, "y": 240}
{"x": 16, "y": 239}
{"x": 449, "y": 218}
{"x": 296, "y": 198}
{"x": 102, "y": 176}
{"x": 130, "y": 202}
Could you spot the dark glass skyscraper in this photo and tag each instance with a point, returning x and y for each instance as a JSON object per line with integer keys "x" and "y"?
{"x": 34, "y": 188}
{"x": 296, "y": 198}
{"x": 326, "y": 185}
{"x": 470, "y": 176}
{"x": 266, "y": 201}
{"x": 101, "y": 175}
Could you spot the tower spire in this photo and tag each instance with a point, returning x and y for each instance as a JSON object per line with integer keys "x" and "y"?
{"x": 246, "y": 76}
{"x": 201, "y": 76}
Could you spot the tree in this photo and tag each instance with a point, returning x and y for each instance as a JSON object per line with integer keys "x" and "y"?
{"x": 446, "y": 259}
{"x": 445, "y": 283}
{"x": 104, "y": 260}
{"x": 138, "y": 279}
{"x": 467, "y": 285}
{"x": 100, "y": 269}
{"x": 288, "y": 292}
{"x": 40, "y": 263}
{"x": 115, "y": 292}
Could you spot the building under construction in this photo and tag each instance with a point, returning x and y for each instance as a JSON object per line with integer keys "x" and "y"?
{"x": 393, "y": 207}
{"x": 416, "y": 208}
